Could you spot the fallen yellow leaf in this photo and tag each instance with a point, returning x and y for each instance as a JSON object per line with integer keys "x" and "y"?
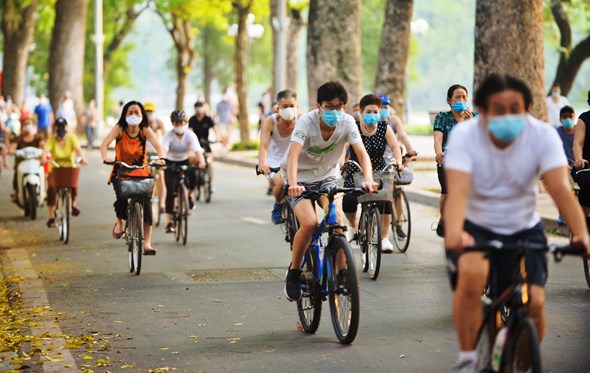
{"x": 87, "y": 357}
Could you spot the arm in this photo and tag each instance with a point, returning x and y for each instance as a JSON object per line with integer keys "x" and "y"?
{"x": 365, "y": 162}
{"x": 343, "y": 156}
{"x": 161, "y": 128}
{"x": 438, "y": 139}
{"x": 459, "y": 187}
{"x": 152, "y": 138}
{"x": 109, "y": 138}
{"x": 401, "y": 133}
{"x": 265, "y": 133}
{"x": 80, "y": 153}
{"x": 558, "y": 186}
{"x": 579, "y": 138}
{"x": 395, "y": 148}
{"x": 295, "y": 190}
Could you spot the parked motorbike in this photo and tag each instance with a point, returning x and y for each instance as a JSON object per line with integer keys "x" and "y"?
{"x": 30, "y": 177}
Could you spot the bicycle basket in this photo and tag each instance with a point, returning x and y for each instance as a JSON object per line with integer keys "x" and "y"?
{"x": 63, "y": 177}
{"x": 134, "y": 187}
{"x": 405, "y": 177}
{"x": 385, "y": 194}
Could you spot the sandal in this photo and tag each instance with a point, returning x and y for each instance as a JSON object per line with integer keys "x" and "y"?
{"x": 116, "y": 235}
{"x": 149, "y": 251}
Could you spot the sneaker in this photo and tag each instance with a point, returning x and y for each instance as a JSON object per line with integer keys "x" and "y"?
{"x": 151, "y": 251}
{"x": 399, "y": 232}
{"x": 440, "y": 228}
{"x": 560, "y": 221}
{"x": 293, "y": 285}
{"x": 386, "y": 246}
{"x": 466, "y": 366}
{"x": 50, "y": 223}
{"x": 75, "y": 211}
{"x": 170, "y": 228}
{"x": 277, "y": 214}
{"x": 191, "y": 203}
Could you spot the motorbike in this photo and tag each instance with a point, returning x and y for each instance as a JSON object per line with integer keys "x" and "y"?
{"x": 30, "y": 177}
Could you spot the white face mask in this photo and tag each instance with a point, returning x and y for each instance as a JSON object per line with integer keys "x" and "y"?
{"x": 30, "y": 128}
{"x": 200, "y": 110}
{"x": 150, "y": 116}
{"x": 180, "y": 130}
{"x": 288, "y": 113}
{"x": 133, "y": 120}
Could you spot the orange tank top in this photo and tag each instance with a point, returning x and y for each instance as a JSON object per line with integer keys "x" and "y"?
{"x": 131, "y": 150}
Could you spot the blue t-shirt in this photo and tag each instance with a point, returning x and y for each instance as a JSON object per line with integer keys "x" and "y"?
{"x": 568, "y": 144}
{"x": 43, "y": 115}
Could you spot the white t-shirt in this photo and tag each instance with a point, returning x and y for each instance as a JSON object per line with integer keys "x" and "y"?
{"x": 180, "y": 149}
{"x": 319, "y": 158}
{"x": 554, "y": 108}
{"x": 504, "y": 182}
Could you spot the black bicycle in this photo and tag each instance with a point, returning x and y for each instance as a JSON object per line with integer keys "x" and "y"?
{"x": 203, "y": 181}
{"x": 586, "y": 264}
{"x": 182, "y": 209}
{"x": 508, "y": 341}
{"x": 288, "y": 222}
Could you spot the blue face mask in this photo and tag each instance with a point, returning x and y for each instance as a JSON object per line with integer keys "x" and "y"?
{"x": 567, "y": 123}
{"x": 459, "y": 106}
{"x": 371, "y": 119}
{"x": 506, "y": 127}
{"x": 384, "y": 114}
{"x": 61, "y": 133}
{"x": 332, "y": 117}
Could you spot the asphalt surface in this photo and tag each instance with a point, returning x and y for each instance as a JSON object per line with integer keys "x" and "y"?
{"x": 217, "y": 304}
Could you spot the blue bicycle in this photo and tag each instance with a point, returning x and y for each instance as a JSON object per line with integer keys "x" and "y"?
{"x": 329, "y": 271}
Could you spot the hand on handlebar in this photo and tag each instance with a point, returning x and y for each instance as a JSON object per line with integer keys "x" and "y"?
{"x": 370, "y": 187}
{"x": 458, "y": 243}
{"x": 295, "y": 190}
{"x": 263, "y": 168}
{"x": 582, "y": 242}
{"x": 580, "y": 163}
{"x": 108, "y": 160}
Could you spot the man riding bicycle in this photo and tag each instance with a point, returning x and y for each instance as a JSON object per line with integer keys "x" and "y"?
{"x": 182, "y": 148}
{"x": 492, "y": 167}
{"x": 200, "y": 124}
{"x": 275, "y": 136}
{"x": 311, "y": 162}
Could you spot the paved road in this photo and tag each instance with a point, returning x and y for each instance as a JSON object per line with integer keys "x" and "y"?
{"x": 217, "y": 303}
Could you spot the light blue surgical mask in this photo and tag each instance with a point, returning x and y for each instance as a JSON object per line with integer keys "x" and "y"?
{"x": 384, "y": 114}
{"x": 567, "y": 123}
{"x": 506, "y": 127}
{"x": 332, "y": 117}
{"x": 459, "y": 106}
{"x": 371, "y": 119}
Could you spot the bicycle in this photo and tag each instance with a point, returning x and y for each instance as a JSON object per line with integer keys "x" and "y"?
{"x": 203, "y": 181}
{"x": 401, "y": 222}
{"x": 63, "y": 179}
{"x": 329, "y": 270}
{"x": 509, "y": 341}
{"x": 288, "y": 222}
{"x": 586, "y": 263}
{"x": 156, "y": 210}
{"x": 181, "y": 203}
{"x": 135, "y": 189}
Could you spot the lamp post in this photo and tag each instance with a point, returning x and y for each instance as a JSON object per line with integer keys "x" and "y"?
{"x": 280, "y": 24}
{"x": 99, "y": 69}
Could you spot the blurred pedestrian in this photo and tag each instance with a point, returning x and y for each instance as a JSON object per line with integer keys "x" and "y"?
{"x": 555, "y": 101}
{"x": 91, "y": 123}
{"x": 66, "y": 110}
{"x": 44, "y": 113}
{"x": 225, "y": 117}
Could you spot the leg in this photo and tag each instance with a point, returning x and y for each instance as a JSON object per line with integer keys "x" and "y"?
{"x": 51, "y": 205}
{"x": 170, "y": 188}
{"x": 385, "y": 225}
{"x": 210, "y": 164}
{"x": 305, "y": 214}
{"x": 147, "y": 223}
{"x": 537, "y": 308}
{"x": 161, "y": 188}
{"x": 277, "y": 190}
{"x": 349, "y": 207}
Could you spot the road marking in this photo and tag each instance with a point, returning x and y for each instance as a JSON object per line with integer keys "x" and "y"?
{"x": 34, "y": 295}
{"x": 250, "y": 219}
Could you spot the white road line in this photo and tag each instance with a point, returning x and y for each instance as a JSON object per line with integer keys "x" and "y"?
{"x": 250, "y": 219}
{"x": 34, "y": 295}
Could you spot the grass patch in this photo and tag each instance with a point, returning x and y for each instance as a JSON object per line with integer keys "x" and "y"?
{"x": 241, "y": 146}
{"x": 433, "y": 190}
{"x": 418, "y": 129}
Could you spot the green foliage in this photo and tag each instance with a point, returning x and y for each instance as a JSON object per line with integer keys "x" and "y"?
{"x": 242, "y": 146}
{"x": 372, "y": 16}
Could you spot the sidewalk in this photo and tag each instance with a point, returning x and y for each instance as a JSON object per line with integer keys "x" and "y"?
{"x": 425, "y": 188}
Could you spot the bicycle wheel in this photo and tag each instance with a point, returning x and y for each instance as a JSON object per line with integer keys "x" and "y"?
{"x": 156, "y": 203}
{"x": 130, "y": 238}
{"x": 32, "y": 201}
{"x": 199, "y": 184}
{"x": 587, "y": 272}
{"x": 401, "y": 225}
{"x": 183, "y": 213}
{"x": 362, "y": 239}
{"x": 484, "y": 344}
{"x": 522, "y": 353}
{"x": 67, "y": 208}
{"x": 59, "y": 203}
{"x": 207, "y": 185}
{"x": 373, "y": 241}
{"x": 343, "y": 290}
{"x": 309, "y": 306}
{"x": 137, "y": 237}
{"x": 291, "y": 224}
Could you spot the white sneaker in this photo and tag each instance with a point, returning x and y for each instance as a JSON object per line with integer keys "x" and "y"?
{"x": 386, "y": 246}
{"x": 350, "y": 234}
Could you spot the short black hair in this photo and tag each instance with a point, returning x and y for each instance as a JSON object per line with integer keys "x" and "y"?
{"x": 122, "y": 120}
{"x": 566, "y": 110}
{"x": 495, "y": 83}
{"x": 452, "y": 89}
{"x": 369, "y": 99}
{"x": 199, "y": 103}
{"x": 331, "y": 90}
{"x": 286, "y": 94}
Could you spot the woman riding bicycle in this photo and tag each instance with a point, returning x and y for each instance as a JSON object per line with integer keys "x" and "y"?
{"x": 131, "y": 133}
{"x": 62, "y": 146}
{"x": 376, "y": 137}
{"x": 492, "y": 167}
{"x": 182, "y": 148}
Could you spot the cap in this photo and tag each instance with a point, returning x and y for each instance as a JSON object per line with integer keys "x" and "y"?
{"x": 60, "y": 122}
{"x": 384, "y": 100}
{"x": 149, "y": 106}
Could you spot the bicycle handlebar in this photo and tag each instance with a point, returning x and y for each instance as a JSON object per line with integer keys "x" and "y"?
{"x": 557, "y": 251}
{"x": 310, "y": 194}
{"x": 134, "y": 167}
{"x": 272, "y": 169}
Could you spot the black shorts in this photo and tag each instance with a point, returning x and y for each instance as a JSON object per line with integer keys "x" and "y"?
{"x": 440, "y": 172}
{"x": 350, "y": 204}
{"x": 506, "y": 265}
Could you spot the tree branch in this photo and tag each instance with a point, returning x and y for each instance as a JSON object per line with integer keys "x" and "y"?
{"x": 563, "y": 25}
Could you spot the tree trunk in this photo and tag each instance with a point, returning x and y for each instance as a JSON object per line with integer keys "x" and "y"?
{"x": 241, "y": 66}
{"x": 185, "y": 55}
{"x": 66, "y": 52}
{"x": 207, "y": 64}
{"x": 393, "y": 53}
{"x": 274, "y": 16}
{"x": 333, "y": 46}
{"x": 295, "y": 25}
{"x": 518, "y": 26}
{"x": 17, "y": 29}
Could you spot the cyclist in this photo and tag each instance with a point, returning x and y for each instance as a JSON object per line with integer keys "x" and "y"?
{"x": 62, "y": 147}
{"x": 159, "y": 129}
{"x": 28, "y": 137}
{"x": 581, "y": 150}
{"x": 200, "y": 124}
{"x": 131, "y": 133}
{"x": 492, "y": 166}
{"x": 275, "y": 136}
{"x": 182, "y": 148}
{"x": 376, "y": 137}
{"x": 444, "y": 122}
{"x": 311, "y": 162}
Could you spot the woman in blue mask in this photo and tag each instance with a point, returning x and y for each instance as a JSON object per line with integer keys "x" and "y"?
{"x": 376, "y": 136}
{"x": 492, "y": 165}
{"x": 457, "y": 98}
